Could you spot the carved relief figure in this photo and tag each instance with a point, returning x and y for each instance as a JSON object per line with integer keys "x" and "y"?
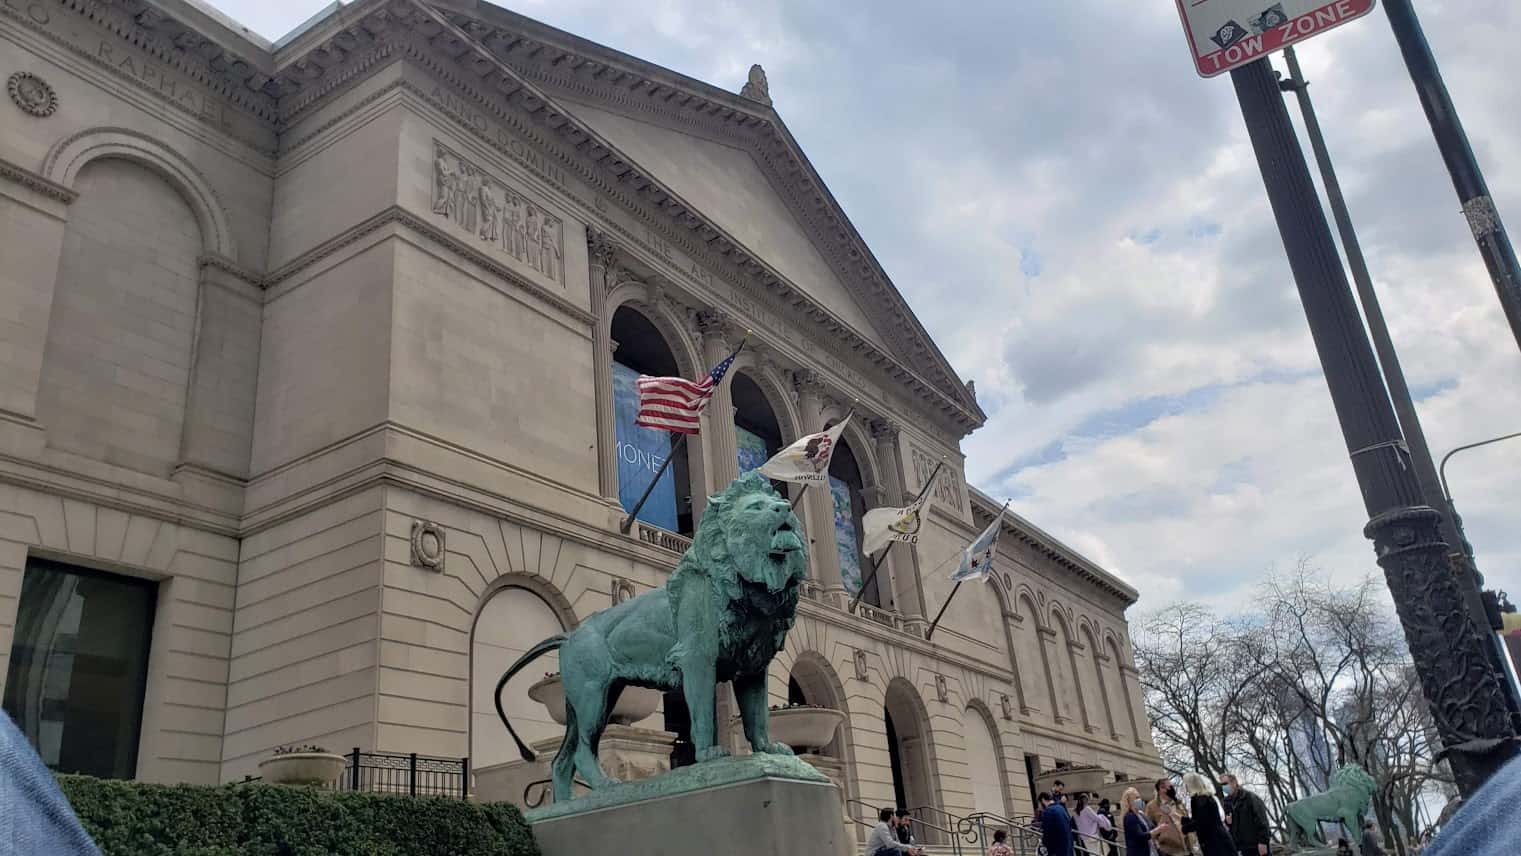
{"x": 468, "y": 196}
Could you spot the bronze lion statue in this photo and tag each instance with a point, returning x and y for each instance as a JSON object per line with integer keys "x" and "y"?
{"x": 722, "y": 616}
{"x": 1351, "y": 790}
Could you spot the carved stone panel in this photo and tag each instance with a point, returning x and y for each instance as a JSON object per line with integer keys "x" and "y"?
{"x": 947, "y": 490}
{"x": 498, "y": 215}
{"x": 428, "y": 545}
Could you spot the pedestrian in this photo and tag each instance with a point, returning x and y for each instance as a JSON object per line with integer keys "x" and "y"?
{"x": 35, "y": 817}
{"x": 1204, "y": 818}
{"x": 884, "y": 842}
{"x": 1055, "y": 826}
{"x": 1059, "y": 792}
{"x": 1373, "y": 844}
{"x": 1106, "y": 811}
{"x": 1089, "y": 824}
{"x": 1139, "y": 833}
{"x": 904, "y": 826}
{"x": 1000, "y": 844}
{"x": 1164, "y": 812}
{"x": 1248, "y": 818}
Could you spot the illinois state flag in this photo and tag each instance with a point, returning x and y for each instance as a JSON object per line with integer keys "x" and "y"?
{"x": 882, "y": 526}
{"x": 977, "y": 560}
{"x": 806, "y": 460}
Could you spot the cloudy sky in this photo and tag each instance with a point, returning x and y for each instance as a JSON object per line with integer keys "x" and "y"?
{"x": 1078, "y": 220}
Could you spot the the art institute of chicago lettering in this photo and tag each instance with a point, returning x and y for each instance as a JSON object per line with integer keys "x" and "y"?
{"x": 318, "y": 409}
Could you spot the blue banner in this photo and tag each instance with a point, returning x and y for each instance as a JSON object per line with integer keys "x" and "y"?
{"x": 641, "y": 451}
{"x": 846, "y": 539}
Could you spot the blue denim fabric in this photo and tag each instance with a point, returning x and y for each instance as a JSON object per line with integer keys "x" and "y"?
{"x": 35, "y": 817}
{"x": 1486, "y": 823}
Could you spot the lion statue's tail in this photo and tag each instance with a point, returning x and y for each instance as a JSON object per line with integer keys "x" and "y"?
{"x": 551, "y": 644}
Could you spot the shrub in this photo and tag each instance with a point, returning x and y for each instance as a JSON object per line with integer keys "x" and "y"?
{"x": 137, "y": 819}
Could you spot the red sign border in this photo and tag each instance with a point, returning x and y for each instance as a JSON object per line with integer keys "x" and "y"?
{"x": 1188, "y": 33}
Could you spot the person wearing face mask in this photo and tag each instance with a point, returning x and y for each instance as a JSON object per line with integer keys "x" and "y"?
{"x": 1204, "y": 818}
{"x": 1139, "y": 833}
{"x": 1166, "y": 813}
{"x": 1248, "y": 818}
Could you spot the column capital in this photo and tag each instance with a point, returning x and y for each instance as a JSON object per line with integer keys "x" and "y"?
{"x": 884, "y": 430}
{"x": 712, "y": 322}
{"x": 600, "y": 248}
{"x": 808, "y": 382}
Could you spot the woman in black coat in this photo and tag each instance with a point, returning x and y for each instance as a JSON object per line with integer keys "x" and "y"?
{"x": 1204, "y": 818}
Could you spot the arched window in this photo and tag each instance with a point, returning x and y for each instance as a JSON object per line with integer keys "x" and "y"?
{"x": 845, "y": 490}
{"x": 641, "y": 451}
{"x": 757, "y": 434}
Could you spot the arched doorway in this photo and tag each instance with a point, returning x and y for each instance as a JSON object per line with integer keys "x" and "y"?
{"x": 908, "y": 748}
{"x": 983, "y": 762}
{"x": 846, "y": 488}
{"x": 757, "y": 432}
{"x": 642, "y": 350}
{"x": 512, "y": 620}
{"x": 813, "y": 682}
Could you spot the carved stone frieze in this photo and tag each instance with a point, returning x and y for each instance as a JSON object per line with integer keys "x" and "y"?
{"x": 428, "y": 545}
{"x": 499, "y": 215}
{"x": 947, "y": 489}
{"x": 32, "y": 94}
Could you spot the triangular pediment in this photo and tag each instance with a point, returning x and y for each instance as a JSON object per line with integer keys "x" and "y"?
{"x": 724, "y": 182}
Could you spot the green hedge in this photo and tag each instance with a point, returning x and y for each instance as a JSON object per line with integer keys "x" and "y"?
{"x": 136, "y": 819}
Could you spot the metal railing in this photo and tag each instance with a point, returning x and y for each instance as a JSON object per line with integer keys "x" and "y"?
{"x": 1024, "y": 836}
{"x": 411, "y": 775}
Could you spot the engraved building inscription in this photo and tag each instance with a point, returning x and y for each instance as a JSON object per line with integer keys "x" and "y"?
{"x": 947, "y": 488}
{"x": 497, "y": 214}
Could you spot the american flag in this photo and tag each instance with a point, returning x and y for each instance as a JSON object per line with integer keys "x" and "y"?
{"x": 675, "y": 403}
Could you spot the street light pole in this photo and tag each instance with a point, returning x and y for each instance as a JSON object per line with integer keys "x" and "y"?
{"x": 1468, "y": 704}
{"x": 1432, "y": 488}
{"x": 1467, "y": 178}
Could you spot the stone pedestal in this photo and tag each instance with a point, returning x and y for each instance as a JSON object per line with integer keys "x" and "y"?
{"x": 758, "y": 805}
{"x": 627, "y": 754}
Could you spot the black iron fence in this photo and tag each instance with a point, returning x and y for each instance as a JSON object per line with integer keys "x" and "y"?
{"x": 411, "y": 775}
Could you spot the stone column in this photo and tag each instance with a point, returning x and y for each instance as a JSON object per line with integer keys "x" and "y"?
{"x": 816, "y": 507}
{"x": 601, "y": 255}
{"x": 722, "y": 450}
{"x": 898, "y": 568}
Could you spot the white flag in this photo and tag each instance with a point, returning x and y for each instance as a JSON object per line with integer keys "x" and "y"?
{"x": 977, "y": 560}
{"x": 806, "y": 460}
{"x": 880, "y": 527}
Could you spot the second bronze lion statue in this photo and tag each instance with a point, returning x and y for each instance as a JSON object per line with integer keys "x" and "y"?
{"x": 722, "y": 616}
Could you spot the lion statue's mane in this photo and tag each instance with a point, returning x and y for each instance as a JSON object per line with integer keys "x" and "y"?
{"x": 1346, "y": 800}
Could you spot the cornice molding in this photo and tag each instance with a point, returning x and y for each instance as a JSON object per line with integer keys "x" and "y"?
{"x": 40, "y": 184}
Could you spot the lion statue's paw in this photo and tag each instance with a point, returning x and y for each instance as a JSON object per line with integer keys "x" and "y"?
{"x": 777, "y": 749}
{"x": 711, "y": 753}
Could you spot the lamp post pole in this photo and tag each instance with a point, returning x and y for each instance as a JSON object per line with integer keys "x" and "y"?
{"x": 1468, "y": 703}
{"x": 1467, "y": 178}
{"x": 1471, "y": 582}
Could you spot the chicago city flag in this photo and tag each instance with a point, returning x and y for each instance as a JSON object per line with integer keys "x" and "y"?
{"x": 882, "y": 526}
{"x": 806, "y": 460}
{"x": 977, "y": 560}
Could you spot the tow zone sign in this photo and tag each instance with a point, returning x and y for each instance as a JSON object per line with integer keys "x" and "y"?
{"x": 1224, "y": 34}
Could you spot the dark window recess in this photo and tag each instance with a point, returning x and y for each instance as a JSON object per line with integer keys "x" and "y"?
{"x": 678, "y": 722}
{"x": 78, "y": 667}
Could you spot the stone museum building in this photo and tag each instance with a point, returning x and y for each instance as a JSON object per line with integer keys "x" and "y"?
{"x": 316, "y": 411}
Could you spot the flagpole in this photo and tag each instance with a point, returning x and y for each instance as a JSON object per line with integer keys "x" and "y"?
{"x": 676, "y": 447}
{"x": 931, "y": 631}
{"x": 933, "y": 624}
{"x": 856, "y": 601}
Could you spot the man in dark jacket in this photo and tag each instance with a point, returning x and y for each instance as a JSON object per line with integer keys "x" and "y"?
{"x": 1055, "y": 826}
{"x": 1248, "y": 818}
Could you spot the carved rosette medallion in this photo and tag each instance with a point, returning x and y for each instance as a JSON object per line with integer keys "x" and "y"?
{"x": 497, "y": 214}
{"x": 428, "y": 545}
{"x": 32, "y": 94}
{"x": 622, "y": 590}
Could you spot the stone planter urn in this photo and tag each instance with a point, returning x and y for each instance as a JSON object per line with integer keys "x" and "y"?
{"x": 634, "y": 703}
{"x": 805, "y": 729}
{"x": 303, "y": 768}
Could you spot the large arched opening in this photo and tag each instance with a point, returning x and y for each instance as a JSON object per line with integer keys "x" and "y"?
{"x": 757, "y": 431}
{"x": 909, "y": 748}
{"x": 512, "y": 619}
{"x": 643, "y": 350}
